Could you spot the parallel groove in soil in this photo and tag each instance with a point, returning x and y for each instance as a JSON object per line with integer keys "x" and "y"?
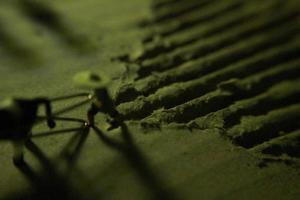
{"x": 230, "y": 65}
{"x": 193, "y": 68}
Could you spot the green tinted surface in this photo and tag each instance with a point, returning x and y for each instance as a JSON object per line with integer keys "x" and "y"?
{"x": 39, "y": 58}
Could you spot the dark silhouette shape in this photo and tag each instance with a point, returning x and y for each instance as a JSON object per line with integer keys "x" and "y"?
{"x": 101, "y": 101}
{"x": 68, "y": 108}
{"x": 42, "y": 13}
{"x": 47, "y": 184}
{"x": 17, "y": 50}
{"x": 17, "y": 118}
{"x": 138, "y": 162}
{"x": 72, "y": 150}
{"x": 104, "y": 104}
{"x": 61, "y": 131}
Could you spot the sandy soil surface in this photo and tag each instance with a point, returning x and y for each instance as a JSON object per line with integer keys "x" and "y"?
{"x": 212, "y": 109}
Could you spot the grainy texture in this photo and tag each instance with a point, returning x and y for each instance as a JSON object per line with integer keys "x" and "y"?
{"x": 220, "y": 64}
{"x": 209, "y": 90}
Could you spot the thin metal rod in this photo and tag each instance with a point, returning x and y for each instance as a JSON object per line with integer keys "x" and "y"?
{"x": 71, "y": 119}
{"x": 71, "y": 107}
{"x": 69, "y": 96}
{"x": 47, "y": 133}
{"x": 41, "y": 119}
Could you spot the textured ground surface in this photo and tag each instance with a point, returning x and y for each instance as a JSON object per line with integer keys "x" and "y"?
{"x": 210, "y": 90}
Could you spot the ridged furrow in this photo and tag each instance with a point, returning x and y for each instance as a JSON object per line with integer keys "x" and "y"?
{"x": 178, "y": 9}
{"x": 221, "y": 102}
{"x": 158, "y": 28}
{"x": 256, "y": 25}
{"x": 286, "y": 144}
{"x": 213, "y": 61}
{"x": 212, "y": 11}
{"x": 179, "y": 93}
{"x": 228, "y": 65}
{"x": 254, "y": 130}
{"x": 211, "y": 24}
{"x": 201, "y": 66}
{"x": 207, "y": 28}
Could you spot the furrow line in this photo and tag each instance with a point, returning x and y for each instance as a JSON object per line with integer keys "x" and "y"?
{"x": 192, "y": 69}
{"x": 257, "y": 105}
{"x": 287, "y": 144}
{"x": 207, "y": 29}
{"x": 193, "y": 19}
{"x": 177, "y": 10}
{"x": 179, "y": 93}
{"x": 254, "y": 130}
{"x": 283, "y": 93}
{"x": 212, "y": 63}
{"x": 159, "y": 29}
{"x": 256, "y": 25}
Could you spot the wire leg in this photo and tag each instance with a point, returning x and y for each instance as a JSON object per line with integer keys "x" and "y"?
{"x": 70, "y": 96}
{"x": 69, "y": 108}
{"x": 70, "y": 119}
{"x": 48, "y": 133}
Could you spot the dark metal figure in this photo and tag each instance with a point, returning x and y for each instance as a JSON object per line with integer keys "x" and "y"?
{"x": 17, "y": 117}
{"x": 100, "y": 98}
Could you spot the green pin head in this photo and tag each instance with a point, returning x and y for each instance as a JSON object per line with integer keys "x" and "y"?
{"x": 91, "y": 80}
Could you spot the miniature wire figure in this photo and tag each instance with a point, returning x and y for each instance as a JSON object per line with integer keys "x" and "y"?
{"x": 17, "y": 119}
{"x": 101, "y": 100}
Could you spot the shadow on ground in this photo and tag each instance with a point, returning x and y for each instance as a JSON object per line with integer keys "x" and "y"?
{"x": 138, "y": 162}
{"x": 49, "y": 183}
